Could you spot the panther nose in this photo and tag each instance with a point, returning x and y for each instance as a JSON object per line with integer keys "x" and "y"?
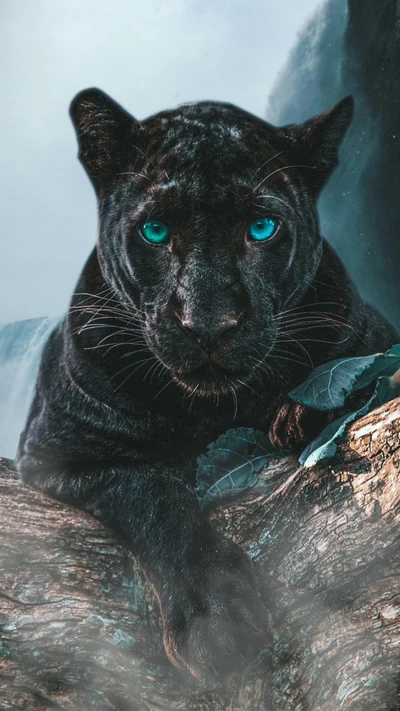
{"x": 208, "y": 335}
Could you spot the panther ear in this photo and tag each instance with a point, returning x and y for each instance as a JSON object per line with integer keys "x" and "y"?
{"x": 318, "y": 140}
{"x": 103, "y": 129}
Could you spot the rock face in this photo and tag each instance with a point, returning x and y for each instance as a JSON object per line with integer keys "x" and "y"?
{"x": 354, "y": 47}
{"x": 372, "y": 51}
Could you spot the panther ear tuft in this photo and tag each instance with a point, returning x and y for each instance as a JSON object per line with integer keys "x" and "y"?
{"x": 319, "y": 139}
{"x": 103, "y": 128}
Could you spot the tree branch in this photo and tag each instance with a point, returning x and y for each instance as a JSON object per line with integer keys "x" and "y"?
{"x": 80, "y": 628}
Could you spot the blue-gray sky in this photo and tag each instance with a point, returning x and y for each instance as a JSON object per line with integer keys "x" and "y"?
{"x": 147, "y": 55}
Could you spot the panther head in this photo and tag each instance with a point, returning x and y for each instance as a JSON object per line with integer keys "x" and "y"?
{"x": 208, "y": 226}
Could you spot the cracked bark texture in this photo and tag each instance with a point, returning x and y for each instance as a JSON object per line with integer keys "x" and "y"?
{"x": 80, "y": 628}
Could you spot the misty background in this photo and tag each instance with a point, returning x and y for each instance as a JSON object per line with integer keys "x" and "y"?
{"x": 148, "y": 56}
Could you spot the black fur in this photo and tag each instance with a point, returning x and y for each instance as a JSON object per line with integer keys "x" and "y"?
{"x": 165, "y": 347}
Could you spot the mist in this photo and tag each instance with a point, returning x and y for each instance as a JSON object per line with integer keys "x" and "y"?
{"x": 149, "y": 57}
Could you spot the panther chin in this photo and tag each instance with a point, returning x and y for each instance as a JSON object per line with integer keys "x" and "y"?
{"x": 210, "y": 380}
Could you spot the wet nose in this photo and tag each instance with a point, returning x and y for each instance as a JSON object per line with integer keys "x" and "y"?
{"x": 208, "y": 335}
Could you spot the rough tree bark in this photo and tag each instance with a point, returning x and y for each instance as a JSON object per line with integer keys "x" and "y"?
{"x": 80, "y": 628}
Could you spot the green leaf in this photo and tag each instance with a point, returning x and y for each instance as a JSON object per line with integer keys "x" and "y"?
{"x": 327, "y": 387}
{"x": 231, "y": 464}
{"x": 326, "y": 444}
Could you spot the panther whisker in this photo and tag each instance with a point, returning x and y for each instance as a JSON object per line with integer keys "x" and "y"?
{"x": 99, "y": 295}
{"x": 164, "y": 387}
{"x": 312, "y": 318}
{"x": 95, "y": 314}
{"x": 277, "y": 357}
{"x": 274, "y": 197}
{"x": 131, "y": 365}
{"x": 192, "y": 396}
{"x": 126, "y": 307}
{"x": 302, "y": 348}
{"x": 152, "y": 369}
{"x": 235, "y": 399}
{"x": 307, "y": 326}
{"x": 160, "y": 370}
{"x": 266, "y": 163}
{"x": 311, "y": 306}
{"x": 131, "y": 342}
{"x": 108, "y": 311}
{"x": 141, "y": 364}
{"x": 137, "y": 175}
{"x": 246, "y": 385}
{"x": 284, "y": 167}
{"x": 318, "y": 340}
{"x": 102, "y": 326}
{"x": 119, "y": 332}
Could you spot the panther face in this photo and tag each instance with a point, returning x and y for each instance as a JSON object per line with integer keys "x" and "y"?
{"x": 208, "y": 226}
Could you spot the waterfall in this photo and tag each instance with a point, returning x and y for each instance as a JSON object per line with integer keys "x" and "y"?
{"x": 311, "y": 80}
{"x": 358, "y": 209}
{"x": 21, "y": 345}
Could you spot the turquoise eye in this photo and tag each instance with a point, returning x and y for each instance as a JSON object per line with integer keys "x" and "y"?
{"x": 155, "y": 232}
{"x": 264, "y": 229}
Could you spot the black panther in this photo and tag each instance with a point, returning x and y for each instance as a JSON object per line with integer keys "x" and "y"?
{"x": 209, "y": 295}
